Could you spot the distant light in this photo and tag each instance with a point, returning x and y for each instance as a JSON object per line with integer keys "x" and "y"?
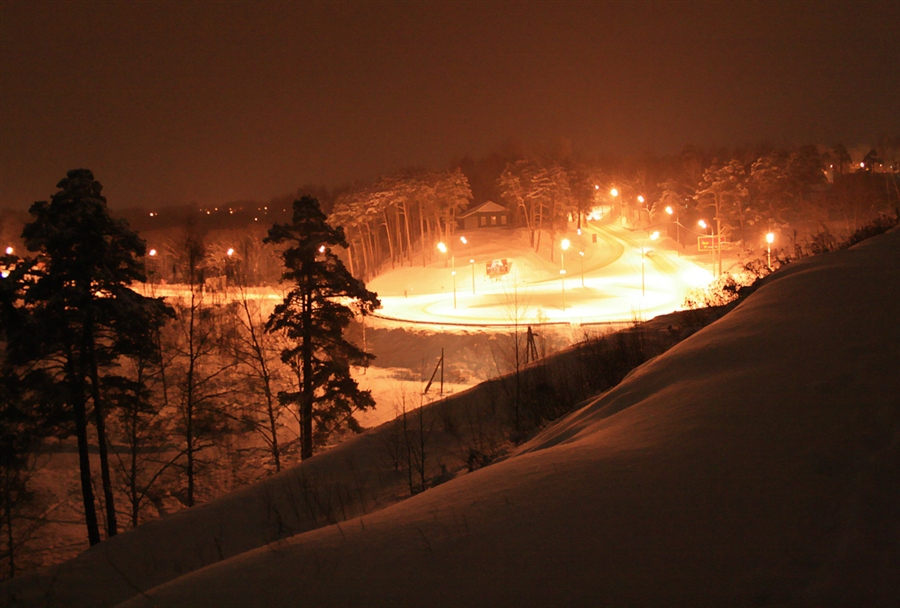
{"x": 702, "y": 223}
{"x": 230, "y": 252}
{"x": 453, "y": 273}
{"x": 463, "y": 239}
{"x": 770, "y": 238}
{"x": 472, "y": 261}
{"x": 256, "y": 219}
{"x": 669, "y": 210}
{"x": 322, "y": 249}
{"x": 562, "y": 271}
{"x": 655, "y": 235}
{"x": 9, "y": 251}
{"x": 442, "y": 247}
{"x": 207, "y": 213}
{"x": 152, "y": 252}
{"x": 565, "y": 244}
{"x": 4, "y": 274}
{"x": 581, "y": 253}
{"x": 640, "y": 198}
{"x": 231, "y": 211}
{"x": 614, "y": 192}
{"x": 862, "y": 165}
{"x": 579, "y": 232}
{"x": 152, "y": 214}
{"x": 596, "y": 187}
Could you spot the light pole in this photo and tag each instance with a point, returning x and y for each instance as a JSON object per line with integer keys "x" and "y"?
{"x": 770, "y": 238}
{"x": 453, "y": 274}
{"x": 641, "y": 200}
{"x": 581, "y": 253}
{"x": 712, "y": 248}
{"x": 653, "y": 237}
{"x": 565, "y": 244}
{"x": 614, "y": 193}
{"x": 472, "y": 262}
{"x": 671, "y": 211}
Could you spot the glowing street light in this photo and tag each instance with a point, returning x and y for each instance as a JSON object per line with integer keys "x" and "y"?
{"x": 712, "y": 250}
{"x": 671, "y": 211}
{"x": 9, "y": 250}
{"x": 653, "y": 237}
{"x": 565, "y": 244}
{"x": 230, "y": 252}
{"x": 152, "y": 253}
{"x": 581, "y": 253}
{"x": 770, "y": 238}
{"x": 472, "y": 262}
{"x": 614, "y": 192}
{"x": 453, "y": 274}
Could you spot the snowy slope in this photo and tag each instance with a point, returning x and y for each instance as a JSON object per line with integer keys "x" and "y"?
{"x": 757, "y": 462}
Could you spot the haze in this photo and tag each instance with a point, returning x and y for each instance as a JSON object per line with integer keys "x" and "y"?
{"x": 193, "y": 102}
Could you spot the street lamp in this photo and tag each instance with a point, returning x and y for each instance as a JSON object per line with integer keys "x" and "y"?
{"x": 453, "y": 274}
{"x": 653, "y": 237}
{"x": 565, "y": 244}
{"x": 671, "y": 211}
{"x": 9, "y": 250}
{"x": 472, "y": 262}
{"x": 770, "y": 238}
{"x": 444, "y": 249}
{"x": 712, "y": 249}
{"x": 581, "y": 253}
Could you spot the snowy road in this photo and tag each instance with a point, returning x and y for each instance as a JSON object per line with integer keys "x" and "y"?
{"x": 604, "y": 282}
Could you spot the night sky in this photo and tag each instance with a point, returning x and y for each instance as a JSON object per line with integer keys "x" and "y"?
{"x": 210, "y": 102}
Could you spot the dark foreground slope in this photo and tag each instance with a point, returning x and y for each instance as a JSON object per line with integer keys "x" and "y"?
{"x": 756, "y": 463}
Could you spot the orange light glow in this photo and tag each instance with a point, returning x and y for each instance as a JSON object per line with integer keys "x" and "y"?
{"x": 152, "y": 252}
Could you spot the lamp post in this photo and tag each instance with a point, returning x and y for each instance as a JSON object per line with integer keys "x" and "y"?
{"x": 565, "y": 244}
{"x": 453, "y": 274}
{"x": 671, "y": 211}
{"x": 641, "y": 200}
{"x": 770, "y": 238}
{"x": 581, "y": 253}
{"x": 472, "y": 262}
{"x": 653, "y": 237}
{"x": 712, "y": 249}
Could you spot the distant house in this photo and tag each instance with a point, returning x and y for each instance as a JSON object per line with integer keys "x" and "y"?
{"x": 486, "y": 215}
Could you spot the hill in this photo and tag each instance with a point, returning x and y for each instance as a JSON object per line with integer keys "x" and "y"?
{"x": 755, "y": 463}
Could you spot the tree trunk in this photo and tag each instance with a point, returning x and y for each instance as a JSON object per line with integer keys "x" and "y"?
{"x": 77, "y": 400}
{"x": 100, "y": 423}
{"x": 306, "y": 400}
{"x": 387, "y": 232}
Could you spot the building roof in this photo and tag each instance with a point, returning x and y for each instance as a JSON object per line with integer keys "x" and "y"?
{"x": 488, "y": 207}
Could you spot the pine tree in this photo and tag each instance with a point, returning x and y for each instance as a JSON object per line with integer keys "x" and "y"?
{"x": 81, "y": 296}
{"x": 313, "y": 316}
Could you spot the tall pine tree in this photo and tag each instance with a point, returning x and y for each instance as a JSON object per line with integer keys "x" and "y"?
{"x": 81, "y": 297}
{"x": 313, "y": 316}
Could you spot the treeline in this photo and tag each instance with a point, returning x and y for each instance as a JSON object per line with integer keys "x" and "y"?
{"x": 172, "y": 401}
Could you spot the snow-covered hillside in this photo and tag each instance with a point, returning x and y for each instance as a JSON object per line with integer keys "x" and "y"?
{"x": 755, "y": 463}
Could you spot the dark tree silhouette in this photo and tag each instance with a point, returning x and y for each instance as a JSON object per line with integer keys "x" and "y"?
{"x": 313, "y": 316}
{"x": 82, "y": 297}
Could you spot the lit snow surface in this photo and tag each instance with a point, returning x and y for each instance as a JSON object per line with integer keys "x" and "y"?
{"x": 755, "y": 463}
